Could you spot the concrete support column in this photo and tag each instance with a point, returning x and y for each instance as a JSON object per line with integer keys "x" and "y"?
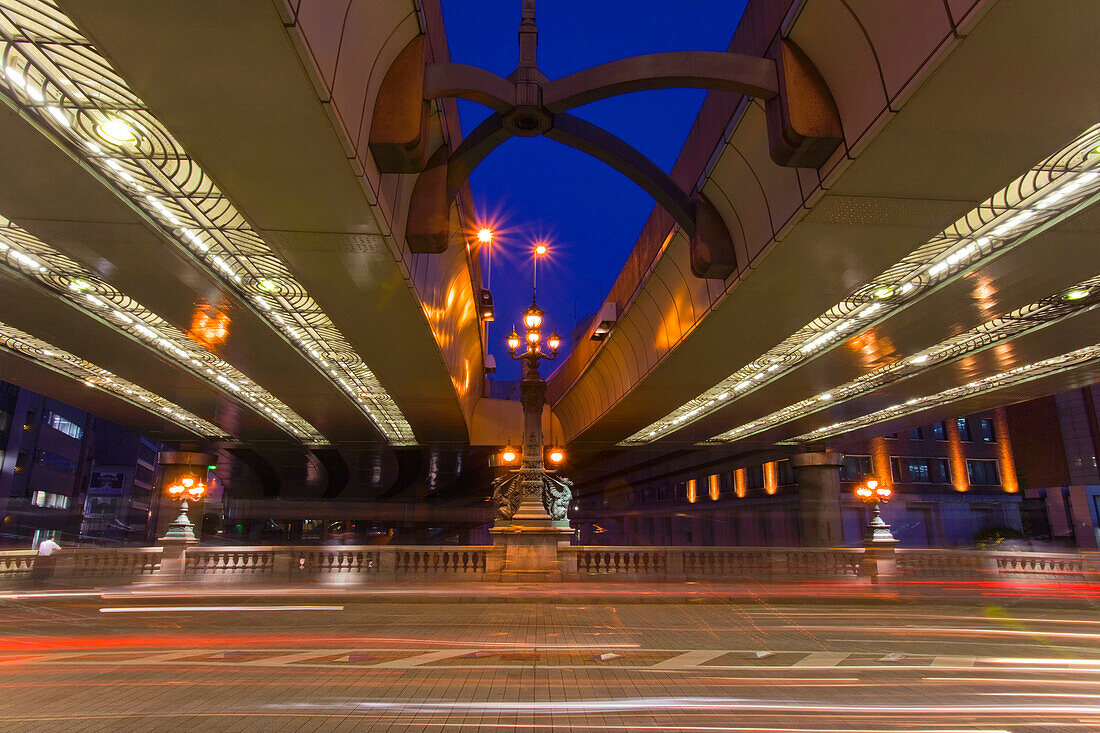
{"x": 819, "y": 518}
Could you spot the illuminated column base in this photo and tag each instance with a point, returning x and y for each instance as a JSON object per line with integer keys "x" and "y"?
{"x": 181, "y": 527}
{"x": 819, "y": 518}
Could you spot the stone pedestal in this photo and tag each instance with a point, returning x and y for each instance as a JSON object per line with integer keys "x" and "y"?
{"x": 879, "y": 560}
{"x": 819, "y": 518}
{"x": 528, "y": 551}
{"x": 171, "y": 559}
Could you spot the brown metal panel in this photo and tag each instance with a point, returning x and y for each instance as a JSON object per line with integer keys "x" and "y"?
{"x": 363, "y": 46}
{"x": 838, "y": 47}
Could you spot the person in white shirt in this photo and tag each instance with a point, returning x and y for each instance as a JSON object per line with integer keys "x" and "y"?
{"x": 44, "y": 563}
{"x": 46, "y": 547}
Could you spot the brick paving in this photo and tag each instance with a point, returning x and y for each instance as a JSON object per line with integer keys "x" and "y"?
{"x": 65, "y": 665}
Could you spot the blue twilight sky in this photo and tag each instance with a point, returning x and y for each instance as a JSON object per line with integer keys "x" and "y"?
{"x": 534, "y": 188}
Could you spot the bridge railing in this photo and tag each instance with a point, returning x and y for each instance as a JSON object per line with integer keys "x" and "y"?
{"x": 706, "y": 563}
{"x": 355, "y": 564}
{"x": 337, "y": 563}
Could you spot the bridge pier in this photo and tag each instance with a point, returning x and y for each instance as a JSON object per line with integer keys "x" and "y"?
{"x": 819, "y": 518}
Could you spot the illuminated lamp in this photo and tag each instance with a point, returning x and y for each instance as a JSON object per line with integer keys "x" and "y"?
{"x": 117, "y": 131}
{"x": 532, "y": 317}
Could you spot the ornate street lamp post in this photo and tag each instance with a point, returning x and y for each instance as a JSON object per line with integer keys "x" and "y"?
{"x": 188, "y": 487}
{"x": 532, "y": 495}
{"x": 878, "y": 531}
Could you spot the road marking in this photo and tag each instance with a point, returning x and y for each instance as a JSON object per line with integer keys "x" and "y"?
{"x": 282, "y": 659}
{"x": 948, "y": 661}
{"x": 821, "y": 659}
{"x": 690, "y": 659}
{"x": 200, "y": 609}
{"x": 158, "y": 658}
{"x": 419, "y": 659}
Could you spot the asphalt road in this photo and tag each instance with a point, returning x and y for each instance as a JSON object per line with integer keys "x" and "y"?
{"x": 340, "y": 662}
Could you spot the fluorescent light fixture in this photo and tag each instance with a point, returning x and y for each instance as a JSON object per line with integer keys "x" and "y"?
{"x": 51, "y": 65}
{"x": 22, "y": 255}
{"x": 1025, "y": 319}
{"x": 1002, "y": 380}
{"x": 1005, "y": 220}
{"x": 58, "y": 360}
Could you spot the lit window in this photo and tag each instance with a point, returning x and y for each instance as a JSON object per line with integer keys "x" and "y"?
{"x": 989, "y": 433}
{"x": 712, "y": 486}
{"x": 855, "y": 468}
{"x": 983, "y": 473}
{"x": 62, "y": 425}
{"x": 964, "y": 430}
{"x": 691, "y": 492}
{"x": 49, "y": 501}
{"x": 939, "y": 430}
{"x": 919, "y": 471}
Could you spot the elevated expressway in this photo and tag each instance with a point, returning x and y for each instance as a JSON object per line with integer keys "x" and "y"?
{"x": 941, "y": 255}
{"x": 245, "y": 185}
{"x": 248, "y": 191}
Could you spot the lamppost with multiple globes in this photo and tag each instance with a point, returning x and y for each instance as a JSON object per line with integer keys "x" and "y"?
{"x": 187, "y": 488}
{"x": 532, "y": 493}
{"x": 871, "y": 492}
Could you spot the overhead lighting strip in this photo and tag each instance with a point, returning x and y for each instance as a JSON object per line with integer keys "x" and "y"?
{"x": 1056, "y": 187}
{"x": 1080, "y": 298}
{"x": 23, "y": 344}
{"x": 51, "y": 72}
{"x": 24, "y": 255}
{"x": 1011, "y": 378}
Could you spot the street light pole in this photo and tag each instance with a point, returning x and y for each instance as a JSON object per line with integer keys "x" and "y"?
{"x": 878, "y": 531}
{"x": 532, "y": 495}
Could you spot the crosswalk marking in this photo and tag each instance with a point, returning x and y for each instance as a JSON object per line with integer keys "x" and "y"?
{"x": 822, "y": 659}
{"x": 948, "y": 661}
{"x": 421, "y": 659}
{"x": 690, "y": 659}
{"x": 282, "y": 659}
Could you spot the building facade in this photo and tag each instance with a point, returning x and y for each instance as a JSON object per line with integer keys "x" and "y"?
{"x": 952, "y": 480}
{"x": 71, "y": 476}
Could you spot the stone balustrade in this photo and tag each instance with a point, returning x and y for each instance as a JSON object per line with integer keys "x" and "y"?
{"x": 363, "y": 564}
{"x": 707, "y": 563}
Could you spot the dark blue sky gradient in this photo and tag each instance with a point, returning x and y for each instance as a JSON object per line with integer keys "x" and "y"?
{"x": 534, "y": 188}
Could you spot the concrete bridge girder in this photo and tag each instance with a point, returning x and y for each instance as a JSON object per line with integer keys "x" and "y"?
{"x": 804, "y": 130}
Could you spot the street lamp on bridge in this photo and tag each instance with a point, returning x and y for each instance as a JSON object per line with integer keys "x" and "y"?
{"x": 871, "y": 492}
{"x": 188, "y": 487}
{"x": 532, "y": 495}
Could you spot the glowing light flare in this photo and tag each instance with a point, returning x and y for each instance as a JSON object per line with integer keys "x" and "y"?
{"x": 740, "y": 483}
{"x": 209, "y": 326}
{"x": 188, "y": 487}
{"x": 513, "y": 340}
{"x": 540, "y": 249}
{"x": 508, "y": 455}
{"x": 554, "y": 341}
{"x": 116, "y": 131}
{"x": 485, "y": 235}
{"x": 556, "y": 455}
{"x": 771, "y": 478}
